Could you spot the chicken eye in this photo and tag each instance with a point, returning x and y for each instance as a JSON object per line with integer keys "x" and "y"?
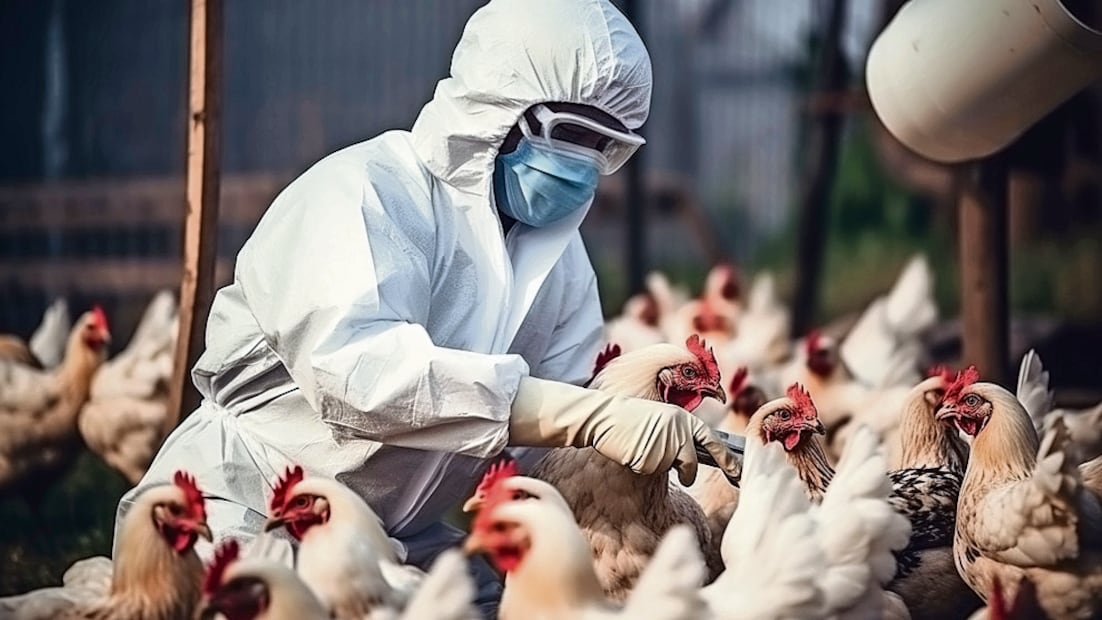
{"x": 688, "y": 371}
{"x": 175, "y": 509}
{"x": 301, "y": 501}
{"x": 786, "y": 414}
{"x": 972, "y": 400}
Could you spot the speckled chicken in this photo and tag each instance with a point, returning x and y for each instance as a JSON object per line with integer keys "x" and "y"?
{"x": 926, "y": 489}
{"x": 622, "y": 514}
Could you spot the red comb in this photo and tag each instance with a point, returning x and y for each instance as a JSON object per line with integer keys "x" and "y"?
{"x": 940, "y": 371}
{"x": 292, "y": 477}
{"x": 493, "y": 492}
{"x": 802, "y": 399}
{"x": 811, "y": 342}
{"x": 99, "y": 317}
{"x": 611, "y": 352}
{"x": 504, "y": 467}
{"x": 224, "y": 555}
{"x": 964, "y": 378}
{"x": 649, "y": 314}
{"x": 730, "y": 289}
{"x": 192, "y": 495}
{"x": 699, "y": 348}
{"x": 738, "y": 381}
{"x": 997, "y": 602}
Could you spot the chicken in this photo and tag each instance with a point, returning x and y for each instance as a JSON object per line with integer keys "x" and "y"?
{"x": 793, "y": 422}
{"x": 47, "y": 343}
{"x": 255, "y": 589}
{"x": 637, "y": 325}
{"x": 884, "y": 348}
{"x": 622, "y": 514}
{"x": 261, "y": 589}
{"x": 344, "y": 554}
{"x": 39, "y": 440}
{"x": 855, "y": 526}
{"x": 155, "y": 574}
{"x": 1023, "y": 509}
{"x": 843, "y": 403}
{"x": 124, "y": 419}
{"x": 925, "y": 490}
{"x": 772, "y": 556}
{"x": 763, "y": 329}
{"x": 1084, "y": 427}
{"x": 526, "y": 529}
{"x": 714, "y": 315}
{"x": 712, "y": 490}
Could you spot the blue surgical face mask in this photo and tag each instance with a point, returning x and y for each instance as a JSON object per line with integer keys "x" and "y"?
{"x": 537, "y": 185}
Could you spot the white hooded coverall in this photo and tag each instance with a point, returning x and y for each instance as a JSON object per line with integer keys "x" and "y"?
{"x": 379, "y": 321}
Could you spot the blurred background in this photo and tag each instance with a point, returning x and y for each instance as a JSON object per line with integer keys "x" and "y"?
{"x": 92, "y": 188}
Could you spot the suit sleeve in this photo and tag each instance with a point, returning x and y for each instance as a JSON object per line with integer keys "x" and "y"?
{"x": 341, "y": 292}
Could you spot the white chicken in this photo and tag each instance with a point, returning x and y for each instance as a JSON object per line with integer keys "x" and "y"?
{"x": 884, "y": 348}
{"x": 344, "y": 554}
{"x": 155, "y": 574}
{"x": 256, "y": 588}
{"x": 714, "y": 315}
{"x": 526, "y": 529}
{"x": 124, "y": 419}
{"x": 763, "y": 330}
{"x": 772, "y": 557}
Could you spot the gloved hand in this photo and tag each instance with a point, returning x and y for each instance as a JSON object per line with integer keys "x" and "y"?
{"x": 645, "y": 435}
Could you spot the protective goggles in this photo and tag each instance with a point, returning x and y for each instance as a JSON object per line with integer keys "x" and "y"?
{"x": 580, "y": 135}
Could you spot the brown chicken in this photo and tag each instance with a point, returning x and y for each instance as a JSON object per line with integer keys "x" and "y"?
{"x": 1023, "y": 510}
{"x": 155, "y": 574}
{"x": 38, "y": 411}
{"x": 622, "y": 514}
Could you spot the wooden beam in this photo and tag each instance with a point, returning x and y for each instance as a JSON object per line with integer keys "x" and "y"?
{"x": 985, "y": 267}
{"x": 201, "y": 223}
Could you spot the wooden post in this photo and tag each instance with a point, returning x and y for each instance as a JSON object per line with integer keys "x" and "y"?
{"x": 985, "y": 268}
{"x": 822, "y": 159}
{"x": 203, "y": 184}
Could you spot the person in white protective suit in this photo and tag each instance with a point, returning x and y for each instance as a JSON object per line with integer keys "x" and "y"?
{"x": 412, "y": 305}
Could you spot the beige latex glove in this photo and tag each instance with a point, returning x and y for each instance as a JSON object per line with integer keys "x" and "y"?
{"x": 645, "y": 435}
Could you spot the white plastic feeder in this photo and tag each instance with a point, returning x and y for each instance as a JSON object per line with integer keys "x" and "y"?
{"x": 956, "y": 80}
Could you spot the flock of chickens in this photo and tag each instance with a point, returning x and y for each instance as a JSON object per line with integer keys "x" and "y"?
{"x": 868, "y": 489}
{"x": 59, "y": 393}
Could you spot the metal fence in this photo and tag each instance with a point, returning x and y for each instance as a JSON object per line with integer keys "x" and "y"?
{"x": 90, "y": 176}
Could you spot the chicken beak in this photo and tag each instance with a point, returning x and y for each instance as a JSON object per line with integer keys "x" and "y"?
{"x": 203, "y": 530}
{"x": 717, "y": 393}
{"x": 946, "y": 412}
{"x": 474, "y": 504}
{"x": 274, "y": 523}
